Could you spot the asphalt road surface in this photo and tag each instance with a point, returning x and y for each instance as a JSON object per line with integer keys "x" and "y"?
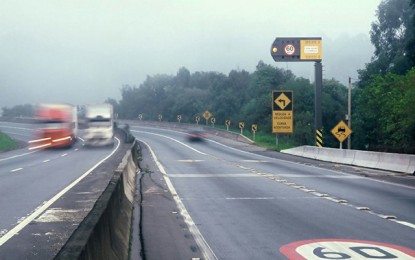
{"x": 242, "y": 202}
{"x": 37, "y": 214}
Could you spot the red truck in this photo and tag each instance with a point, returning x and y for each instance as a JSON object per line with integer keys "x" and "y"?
{"x": 58, "y": 126}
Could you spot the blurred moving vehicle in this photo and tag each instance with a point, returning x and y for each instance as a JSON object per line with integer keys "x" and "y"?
{"x": 196, "y": 135}
{"x": 58, "y": 126}
{"x": 99, "y": 125}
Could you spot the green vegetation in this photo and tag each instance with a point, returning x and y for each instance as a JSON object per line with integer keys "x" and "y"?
{"x": 239, "y": 96}
{"x": 18, "y": 111}
{"x": 269, "y": 141}
{"x": 6, "y": 143}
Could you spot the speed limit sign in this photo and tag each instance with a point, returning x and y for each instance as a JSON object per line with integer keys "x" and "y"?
{"x": 344, "y": 249}
{"x": 289, "y": 49}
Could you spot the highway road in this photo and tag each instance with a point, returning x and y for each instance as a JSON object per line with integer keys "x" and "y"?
{"x": 32, "y": 180}
{"x": 244, "y": 205}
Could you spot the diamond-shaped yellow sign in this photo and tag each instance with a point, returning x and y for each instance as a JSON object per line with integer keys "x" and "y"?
{"x": 341, "y": 131}
{"x": 282, "y": 101}
{"x": 207, "y": 115}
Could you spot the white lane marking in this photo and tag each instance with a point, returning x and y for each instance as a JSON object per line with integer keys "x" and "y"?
{"x": 321, "y": 176}
{"x": 346, "y": 203}
{"x": 253, "y": 198}
{"x": 255, "y": 161}
{"x": 213, "y": 175}
{"x": 16, "y": 170}
{"x": 312, "y": 166}
{"x": 47, "y": 204}
{"x": 191, "y": 148}
{"x": 46, "y": 160}
{"x": 14, "y": 127}
{"x": 404, "y": 223}
{"x": 14, "y": 133}
{"x": 16, "y": 156}
{"x": 63, "y": 155}
{"x": 200, "y": 240}
{"x": 190, "y": 161}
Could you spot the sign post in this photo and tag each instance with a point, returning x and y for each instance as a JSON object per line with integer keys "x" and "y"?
{"x": 254, "y": 128}
{"x": 227, "y": 123}
{"x": 213, "y": 121}
{"x": 300, "y": 49}
{"x": 241, "y": 126}
{"x": 207, "y": 115}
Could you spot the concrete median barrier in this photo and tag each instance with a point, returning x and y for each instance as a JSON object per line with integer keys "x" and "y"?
{"x": 385, "y": 161}
{"x": 367, "y": 159}
{"x": 396, "y": 162}
{"x": 105, "y": 232}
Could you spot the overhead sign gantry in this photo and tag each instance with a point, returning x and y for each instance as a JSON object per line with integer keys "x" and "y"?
{"x": 299, "y": 49}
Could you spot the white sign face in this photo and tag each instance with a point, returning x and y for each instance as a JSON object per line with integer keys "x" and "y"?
{"x": 289, "y": 49}
{"x": 345, "y": 249}
{"x": 311, "y": 49}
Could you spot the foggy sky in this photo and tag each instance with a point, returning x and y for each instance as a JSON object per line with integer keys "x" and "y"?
{"x": 81, "y": 52}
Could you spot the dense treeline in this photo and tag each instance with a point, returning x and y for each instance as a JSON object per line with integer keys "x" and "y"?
{"x": 238, "y": 96}
{"x": 383, "y": 99}
{"x": 383, "y": 109}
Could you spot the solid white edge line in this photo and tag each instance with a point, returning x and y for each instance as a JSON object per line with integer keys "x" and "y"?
{"x": 405, "y": 223}
{"x": 18, "y": 169}
{"x": 206, "y": 250}
{"x": 40, "y": 210}
{"x": 19, "y": 155}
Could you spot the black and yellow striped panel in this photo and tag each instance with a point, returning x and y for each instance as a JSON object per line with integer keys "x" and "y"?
{"x": 319, "y": 138}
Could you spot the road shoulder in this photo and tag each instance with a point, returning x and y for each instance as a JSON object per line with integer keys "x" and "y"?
{"x": 164, "y": 232}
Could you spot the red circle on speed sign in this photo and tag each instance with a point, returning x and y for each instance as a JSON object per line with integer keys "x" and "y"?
{"x": 289, "y": 49}
{"x": 318, "y": 249}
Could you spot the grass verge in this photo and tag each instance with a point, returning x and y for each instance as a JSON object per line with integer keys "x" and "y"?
{"x": 267, "y": 140}
{"x": 6, "y": 143}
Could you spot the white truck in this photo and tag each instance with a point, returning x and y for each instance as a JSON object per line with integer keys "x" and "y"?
{"x": 99, "y": 125}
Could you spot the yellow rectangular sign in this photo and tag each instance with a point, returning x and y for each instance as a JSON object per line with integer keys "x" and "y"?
{"x": 282, "y": 121}
{"x": 311, "y": 49}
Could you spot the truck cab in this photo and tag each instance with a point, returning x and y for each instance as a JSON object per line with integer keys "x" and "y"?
{"x": 99, "y": 125}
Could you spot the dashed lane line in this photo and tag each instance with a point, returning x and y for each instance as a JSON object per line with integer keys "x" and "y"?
{"x": 26, "y": 221}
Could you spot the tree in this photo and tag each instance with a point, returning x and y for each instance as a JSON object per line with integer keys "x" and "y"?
{"x": 385, "y": 114}
{"x": 19, "y": 111}
{"x": 410, "y": 45}
{"x": 392, "y": 35}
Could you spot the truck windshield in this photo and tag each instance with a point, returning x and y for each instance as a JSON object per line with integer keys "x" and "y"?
{"x": 52, "y": 124}
{"x": 99, "y": 122}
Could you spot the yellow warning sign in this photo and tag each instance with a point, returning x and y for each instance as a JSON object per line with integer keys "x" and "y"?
{"x": 311, "y": 49}
{"x": 207, "y": 115}
{"x": 282, "y": 111}
{"x": 341, "y": 131}
{"x": 282, "y": 122}
{"x": 282, "y": 101}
